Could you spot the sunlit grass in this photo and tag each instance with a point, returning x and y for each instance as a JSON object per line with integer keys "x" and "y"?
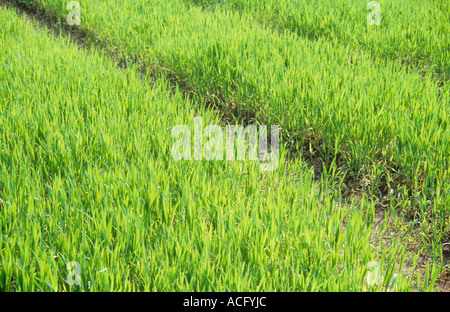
{"x": 87, "y": 176}
{"x": 387, "y": 121}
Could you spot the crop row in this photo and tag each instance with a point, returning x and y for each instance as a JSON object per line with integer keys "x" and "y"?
{"x": 409, "y": 31}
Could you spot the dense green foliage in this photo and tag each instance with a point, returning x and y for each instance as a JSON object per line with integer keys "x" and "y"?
{"x": 387, "y": 123}
{"x": 87, "y": 175}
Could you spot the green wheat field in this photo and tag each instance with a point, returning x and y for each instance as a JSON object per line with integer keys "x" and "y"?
{"x": 92, "y": 199}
